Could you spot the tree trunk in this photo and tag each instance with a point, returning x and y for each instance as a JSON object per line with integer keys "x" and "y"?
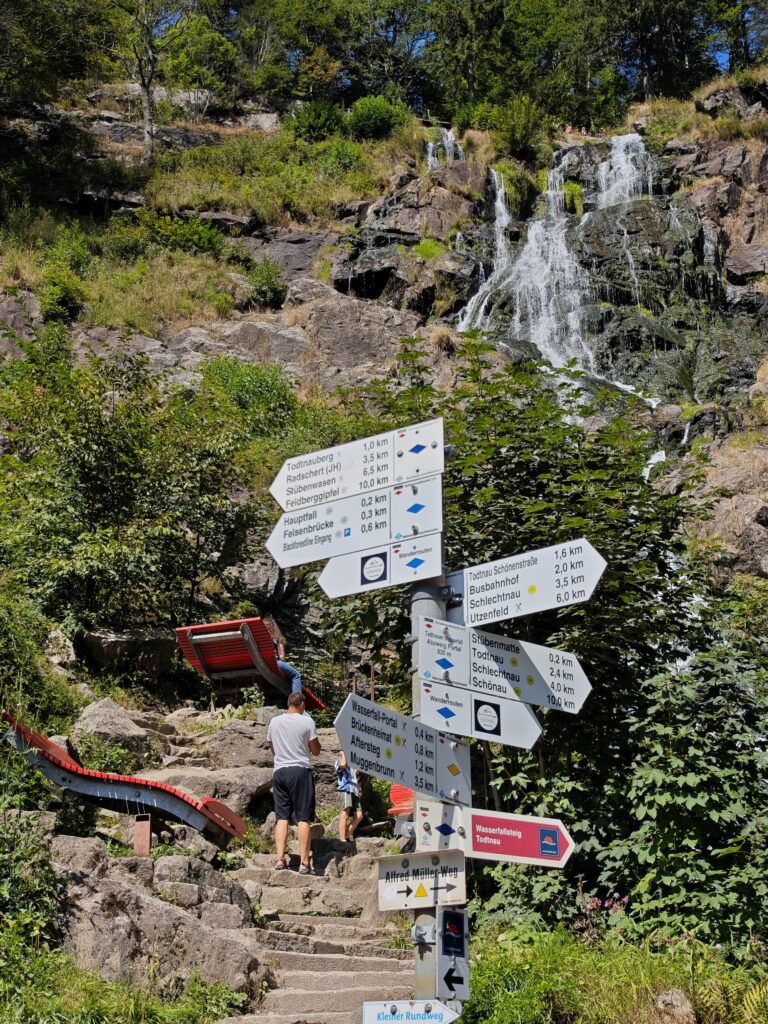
{"x": 148, "y": 122}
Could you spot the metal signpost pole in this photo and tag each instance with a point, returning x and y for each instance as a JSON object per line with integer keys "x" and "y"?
{"x": 426, "y": 599}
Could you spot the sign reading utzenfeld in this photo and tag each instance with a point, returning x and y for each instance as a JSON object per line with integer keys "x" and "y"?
{"x": 384, "y": 743}
{"x": 554, "y": 577}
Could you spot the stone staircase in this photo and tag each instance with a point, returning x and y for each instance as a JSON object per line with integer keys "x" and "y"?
{"x": 324, "y": 965}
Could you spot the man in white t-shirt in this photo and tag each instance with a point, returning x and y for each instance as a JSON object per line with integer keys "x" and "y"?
{"x": 293, "y": 737}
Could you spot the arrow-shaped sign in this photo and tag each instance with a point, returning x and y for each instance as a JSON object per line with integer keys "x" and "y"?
{"x": 388, "y": 565}
{"x": 353, "y": 524}
{"x": 553, "y": 577}
{"x": 396, "y": 1012}
{"x": 397, "y": 456}
{"x": 492, "y": 835}
{"x": 452, "y": 979}
{"x": 498, "y": 666}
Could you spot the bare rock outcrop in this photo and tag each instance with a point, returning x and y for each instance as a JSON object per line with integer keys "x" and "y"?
{"x": 238, "y": 788}
{"x": 111, "y": 723}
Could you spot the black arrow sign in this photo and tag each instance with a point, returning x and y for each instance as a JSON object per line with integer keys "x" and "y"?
{"x": 448, "y": 887}
{"x": 452, "y": 979}
{"x": 406, "y": 891}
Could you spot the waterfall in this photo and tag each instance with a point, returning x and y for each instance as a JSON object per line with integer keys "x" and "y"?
{"x": 626, "y": 174}
{"x": 453, "y": 150}
{"x": 474, "y": 313}
{"x": 547, "y": 287}
{"x": 432, "y": 158}
{"x": 656, "y": 459}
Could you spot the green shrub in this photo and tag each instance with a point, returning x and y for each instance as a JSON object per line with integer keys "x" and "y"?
{"x": 485, "y": 115}
{"x": 99, "y": 756}
{"x": 374, "y": 117}
{"x": 148, "y": 232}
{"x": 521, "y": 187}
{"x": 428, "y": 249}
{"x": 518, "y": 126}
{"x": 63, "y": 294}
{"x": 574, "y": 197}
{"x": 267, "y": 286}
{"x": 316, "y": 121}
{"x": 339, "y": 155}
{"x": 463, "y": 117}
{"x": 262, "y": 392}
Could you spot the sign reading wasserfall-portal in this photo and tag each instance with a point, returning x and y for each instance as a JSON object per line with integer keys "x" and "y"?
{"x": 386, "y": 744}
{"x": 535, "y": 581}
{"x": 354, "y": 524}
{"x": 371, "y": 463}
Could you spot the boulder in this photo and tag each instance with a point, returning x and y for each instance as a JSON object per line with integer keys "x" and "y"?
{"x": 264, "y": 121}
{"x": 59, "y": 650}
{"x": 111, "y": 649}
{"x": 744, "y": 261}
{"x": 19, "y": 316}
{"x": 236, "y": 744}
{"x": 295, "y": 251}
{"x": 674, "y": 1007}
{"x": 238, "y": 788}
{"x": 76, "y": 855}
{"x": 746, "y": 102}
{"x": 230, "y": 223}
{"x": 113, "y": 724}
{"x": 126, "y": 934}
{"x": 267, "y": 342}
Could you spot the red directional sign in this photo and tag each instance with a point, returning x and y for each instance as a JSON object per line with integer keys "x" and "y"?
{"x": 518, "y": 838}
{"x": 491, "y": 835}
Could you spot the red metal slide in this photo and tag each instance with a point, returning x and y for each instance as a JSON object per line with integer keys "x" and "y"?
{"x": 239, "y": 653}
{"x": 123, "y": 793}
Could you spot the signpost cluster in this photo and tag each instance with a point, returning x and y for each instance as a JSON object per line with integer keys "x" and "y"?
{"x": 374, "y": 509}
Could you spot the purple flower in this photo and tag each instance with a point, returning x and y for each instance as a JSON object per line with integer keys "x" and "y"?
{"x": 718, "y": 945}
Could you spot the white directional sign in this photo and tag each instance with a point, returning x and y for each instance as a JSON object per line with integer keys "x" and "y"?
{"x": 386, "y": 566}
{"x": 386, "y": 744}
{"x": 452, "y": 953}
{"x": 371, "y": 463}
{"x": 499, "y": 666}
{"x": 354, "y": 524}
{"x": 420, "y": 881}
{"x": 460, "y": 711}
{"x": 535, "y": 581}
{"x": 410, "y": 1012}
{"x": 492, "y": 835}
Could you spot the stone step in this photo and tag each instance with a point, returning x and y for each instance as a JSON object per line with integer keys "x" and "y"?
{"x": 292, "y": 1000}
{"x": 332, "y": 928}
{"x": 265, "y": 940}
{"x": 364, "y": 980}
{"x": 340, "y": 964}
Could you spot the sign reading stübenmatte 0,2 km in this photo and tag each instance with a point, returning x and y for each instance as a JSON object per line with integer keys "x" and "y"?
{"x": 396, "y": 457}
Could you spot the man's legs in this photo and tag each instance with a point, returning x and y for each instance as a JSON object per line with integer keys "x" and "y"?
{"x": 281, "y": 837}
{"x": 304, "y": 840}
{"x": 354, "y": 823}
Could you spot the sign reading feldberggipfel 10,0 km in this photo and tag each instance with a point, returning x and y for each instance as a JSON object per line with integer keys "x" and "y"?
{"x": 398, "y": 456}
{"x": 534, "y": 581}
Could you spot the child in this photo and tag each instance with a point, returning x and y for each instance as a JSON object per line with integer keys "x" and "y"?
{"x": 349, "y": 788}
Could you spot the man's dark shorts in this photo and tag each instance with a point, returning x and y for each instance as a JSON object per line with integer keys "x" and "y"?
{"x": 294, "y": 791}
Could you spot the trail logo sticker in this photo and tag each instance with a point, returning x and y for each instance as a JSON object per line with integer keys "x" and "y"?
{"x": 373, "y": 568}
{"x": 549, "y": 842}
{"x": 487, "y": 718}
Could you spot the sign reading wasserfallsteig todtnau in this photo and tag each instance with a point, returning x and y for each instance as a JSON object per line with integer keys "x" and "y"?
{"x": 384, "y": 743}
{"x": 396, "y": 456}
{"x": 535, "y": 581}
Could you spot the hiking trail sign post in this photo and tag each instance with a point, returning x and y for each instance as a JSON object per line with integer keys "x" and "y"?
{"x": 388, "y": 565}
{"x": 535, "y": 581}
{"x": 384, "y": 743}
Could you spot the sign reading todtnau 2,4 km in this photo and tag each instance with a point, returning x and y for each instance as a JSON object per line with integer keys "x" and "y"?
{"x": 535, "y": 581}
{"x": 396, "y": 457}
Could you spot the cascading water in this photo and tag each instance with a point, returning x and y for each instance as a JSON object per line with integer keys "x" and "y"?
{"x": 432, "y": 157}
{"x": 453, "y": 150}
{"x": 547, "y": 287}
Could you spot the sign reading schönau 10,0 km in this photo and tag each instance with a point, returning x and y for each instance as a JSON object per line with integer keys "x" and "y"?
{"x": 534, "y": 581}
{"x": 398, "y": 456}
